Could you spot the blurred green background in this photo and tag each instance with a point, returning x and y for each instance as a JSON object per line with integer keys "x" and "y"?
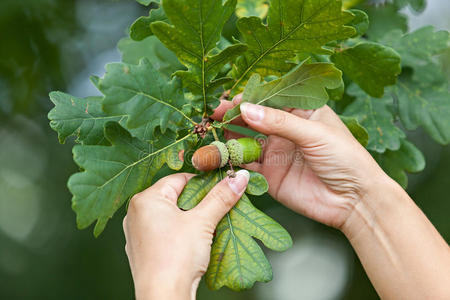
{"x": 55, "y": 45}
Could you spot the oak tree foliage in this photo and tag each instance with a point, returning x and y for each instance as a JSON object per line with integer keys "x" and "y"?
{"x": 178, "y": 61}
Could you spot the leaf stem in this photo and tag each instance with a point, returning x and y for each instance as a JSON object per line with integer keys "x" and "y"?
{"x": 230, "y": 120}
{"x": 214, "y": 132}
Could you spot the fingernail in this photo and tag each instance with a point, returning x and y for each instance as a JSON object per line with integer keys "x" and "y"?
{"x": 237, "y": 99}
{"x": 239, "y": 183}
{"x": 253, "y": 112}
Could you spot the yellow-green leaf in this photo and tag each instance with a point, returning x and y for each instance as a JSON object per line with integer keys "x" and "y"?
{"x": 236, "y": 259}
{"x": 248, "y": 8}
{"x": 304, "y": 87}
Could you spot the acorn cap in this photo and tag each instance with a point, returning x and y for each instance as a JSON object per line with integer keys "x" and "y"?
{"x": 243, "y": 151}
{"x": 224, "y": 155}
{"x": 236, "y": 152}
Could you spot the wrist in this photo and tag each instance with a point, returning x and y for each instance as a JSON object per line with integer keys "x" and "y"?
{"x": 382, "y": 199}
{"x": 164, "y": 287}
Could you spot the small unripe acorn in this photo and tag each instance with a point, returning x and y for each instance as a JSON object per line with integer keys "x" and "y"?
{"x": 243, "y": 151}
{"x": 210, "y": 157}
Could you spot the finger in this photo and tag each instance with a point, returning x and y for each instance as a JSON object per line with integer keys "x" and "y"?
{"x": 125, "y": 232}
{"x": 220, "y": 111}
{"x": 302, "y": 113}
{"x": 327, "y": 116}
{"x": 170, "y": 187}
{"x": 254, "y": 166}
{"x": 224, "y": 106}
{"x": 223, "y": 197}
{"x": 218, "y": 115}
{"x": 124, "y": 224}
{"x": 283, "y": 124}
{"x": 237, "y": 99}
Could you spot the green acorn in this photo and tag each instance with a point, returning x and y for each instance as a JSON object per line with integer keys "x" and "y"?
{"x": 243, "y": 151}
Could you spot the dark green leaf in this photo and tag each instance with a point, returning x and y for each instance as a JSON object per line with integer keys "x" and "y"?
{"x": 293, "y": 26}
{"x": 141, "y": 29}
{"x": 337, "y": 93}
{"x": 408, "y": 158}
{"x": 384, "y": 18}
{"x": 360, "y": 22}
{"x": 372, "y": 66}
{"x": 79, "y": 117}
{"x": 376, "y": 116}
{"x": 195, "y": 32}
{"x": 305, "y": 87}
{"x": 152, "y": 49}
{"x": 426, "y": 106}
{"x": 417, "y": 5}
{"x": 84, "y": 119}
{"x": 245, "y": 131}
{"x": 112, "y": 174}
{"x": 358, "y": 131}
{"x": 139, "y": 92}
{"x": 417, "y": 49}
{"x": 147, "y": 2}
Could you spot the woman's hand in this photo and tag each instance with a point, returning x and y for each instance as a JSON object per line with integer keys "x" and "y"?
{"x": 168, "y": 249}
{"x": 311, "y": 160}
{"x": 316, "y": 167}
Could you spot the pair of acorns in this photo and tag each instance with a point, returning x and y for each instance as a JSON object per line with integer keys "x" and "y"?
{"x": 217, "y": 154}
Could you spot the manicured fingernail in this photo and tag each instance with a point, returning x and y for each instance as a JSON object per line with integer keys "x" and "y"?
{"x": 237, "y": 99}
{"x": 239, "y": 183}
{"x": 253, "y": 112}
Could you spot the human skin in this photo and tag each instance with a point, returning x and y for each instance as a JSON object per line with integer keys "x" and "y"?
{"x": 168, "y": 249}
{"x": 317, "y": 168}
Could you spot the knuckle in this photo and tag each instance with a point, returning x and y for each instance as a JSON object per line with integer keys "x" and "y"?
{"x": 225, "y": 197}
{"x": 136, "y": 202}
{"x": 279, "y": 119}
{"x": 323, "y": 128}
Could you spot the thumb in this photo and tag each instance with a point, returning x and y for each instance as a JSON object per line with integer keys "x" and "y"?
{"x": 223, "y": 197}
